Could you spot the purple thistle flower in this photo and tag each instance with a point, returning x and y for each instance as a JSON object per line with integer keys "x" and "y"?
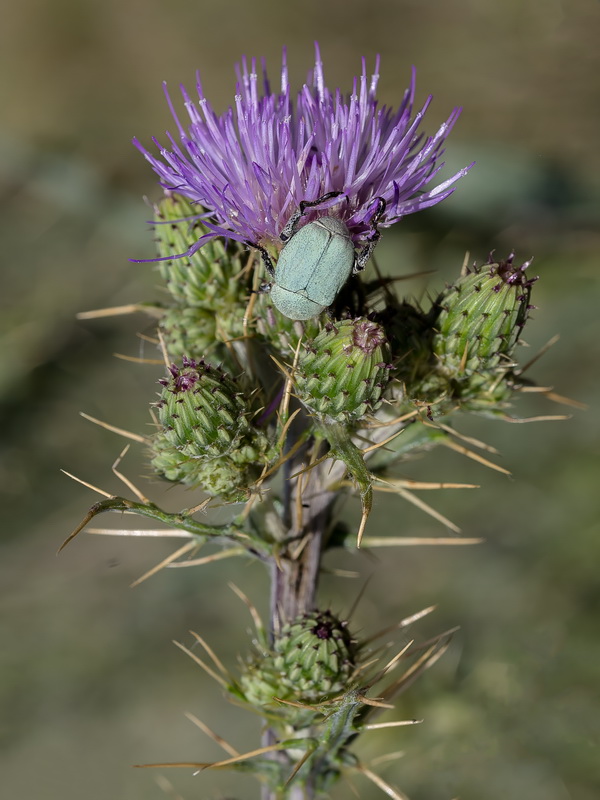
{"x": 249, "y": 168}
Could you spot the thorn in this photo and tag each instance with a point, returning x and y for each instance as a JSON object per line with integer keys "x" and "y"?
{"x": 475, "y": 456}
{"x": 87, "y": 485}
{"x": 298, "y": 766}
{"x": 285, "y": 400}
{"x": 392, "y": 663}
{"x": 404, "y": 623}
{"x": 120, "y": 431}
{"x": 361, "y": 529}
{"x": 130, "y": 485}
{"x": 199, "y": 562}
{"x": 550, "y": 343}
{"x": 377, "y": 445}
{"x": 214, "y": 736}
{"x": 416, "y": 541}
{"x": 116, "y": 311}
{"x": 395, "y": 794}
{"x": 163, "y": 348}
{"x": 425, "y": 485}
{"x": 286, "y": 427}
{"x": 416, "y": 501}
{"x": 216, "y": 661}
{"x": 245, "y": 756}
{"x": 283, "y": 369}
{"x": 541, "y": 418}
{"x": 181, "y": 551}
{"x": 148, "y": 532}
{"x": 258, "y": 623}
{"x": 469, "y": 439}
{"x": 400, "y": 723}
{"x": 135, "y": 360}
{"x": 387, "y": 757}
{"x": 218, "y": 678}
{"x": 370, "y": 701}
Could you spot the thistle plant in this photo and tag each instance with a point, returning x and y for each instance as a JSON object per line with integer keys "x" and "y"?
{"x": 292, "y": 379}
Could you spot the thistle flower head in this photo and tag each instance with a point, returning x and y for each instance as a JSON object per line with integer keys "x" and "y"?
{"x": 249, "y": 168}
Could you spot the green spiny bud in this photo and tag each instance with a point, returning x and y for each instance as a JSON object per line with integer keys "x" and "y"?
{"x": 201, "y": 409}
{"x": 313, "y": 659}
{"x": 342, "y": 373}
{"x": 227, "y": 477}
{"x": 206, "y": 436}
{"x": 172, "y": 464}
{"x": 480, "y": 318}
{"x": 315, "y": 655}
{"x": 188, "y": 330}
{"x": 209, "y": 277}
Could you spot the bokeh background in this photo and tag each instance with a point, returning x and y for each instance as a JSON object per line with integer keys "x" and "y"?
{"x": 89, "y": 680}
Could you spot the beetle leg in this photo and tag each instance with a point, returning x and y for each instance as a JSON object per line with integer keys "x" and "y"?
{"x": 365, "y": 254}
{"x": 264, "y": 288}
{"x": 266, "y": 258}
{"x": 360, "y": 262}
{"x": 379, "y": 212}
{"x": 292, "y": 223}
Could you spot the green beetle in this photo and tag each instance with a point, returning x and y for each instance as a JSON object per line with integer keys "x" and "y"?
{"x": 316, "y": 260}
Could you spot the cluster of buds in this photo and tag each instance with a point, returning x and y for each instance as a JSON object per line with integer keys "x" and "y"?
{"x": 223, "y": 426}
{"x": 311, "y": 684}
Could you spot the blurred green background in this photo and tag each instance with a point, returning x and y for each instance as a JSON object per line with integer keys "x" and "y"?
{"x": 89, "y": 680}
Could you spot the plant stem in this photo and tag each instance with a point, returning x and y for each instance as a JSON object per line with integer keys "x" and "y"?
{"x": 294, "y": 577}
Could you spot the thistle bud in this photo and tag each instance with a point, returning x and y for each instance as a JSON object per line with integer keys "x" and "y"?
{"x": 343, "y": 372}
{"x": 209, "y": 275}
{"x": 206, "y": 436}
{"x": 313, "y": 658}
{"x": 188, "y": 330}
{"x": 479, "y": 321}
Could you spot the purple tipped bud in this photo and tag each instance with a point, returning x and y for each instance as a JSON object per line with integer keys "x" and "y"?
{"x": 206, "y": 435}
{"x": 343, "y": 372}
{"x": 313, "y": 658}
{"x": 479, "y": 321}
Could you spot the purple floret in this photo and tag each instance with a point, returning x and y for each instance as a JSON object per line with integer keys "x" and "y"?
{"x": 250, "y": 167}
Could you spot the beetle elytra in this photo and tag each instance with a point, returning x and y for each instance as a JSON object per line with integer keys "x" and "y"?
{"x": 316, "y": 260}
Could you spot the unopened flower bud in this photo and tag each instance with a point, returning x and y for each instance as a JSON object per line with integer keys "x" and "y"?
{"x": 343, "y": 372}
{"x": 313, "y": 658}
{"x": 206, "y": 435}
{"x": 211, "y": 274}
{"x": 188, "y": 330}
{"x": 481, "y": 317}
{"x": 477, "y": 329}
